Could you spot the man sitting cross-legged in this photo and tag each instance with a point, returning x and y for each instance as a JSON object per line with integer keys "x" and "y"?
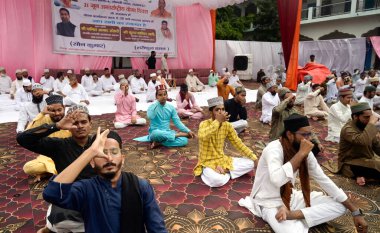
{"x": 126, "y": 113}
{"x": 186, "y": 105}
{"x": 359, "y": 145}
{"x": 214, "y": 167}
{"x": 237, "y": 111}
{"x": 314, "y": 105}
{"x": 274, "y": 196}
{"x": 113, "y": 201}
{"x": 63, "y": 151}
{"x": 160, "y": 114}
{"x": 53, "y": 113}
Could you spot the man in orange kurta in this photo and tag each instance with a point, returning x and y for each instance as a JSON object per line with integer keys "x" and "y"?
{"x": 224, "y": 90}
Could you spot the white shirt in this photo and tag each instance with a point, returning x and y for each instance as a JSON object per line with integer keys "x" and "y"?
{"x": 97, "y": 86}
{"x": 27, "y": 113}
{"x": 75, "y": 94}
{"x": 272, "y": 173}
{"x": 130, "y": 77}
{"x": 5, "y": 84}
{"x": 16, "y": 85}
{"x": 137, "y": 84}
{"x": 47, "y": 83}
{"x": 302, "y": 91}
{"x": 339, "y": 114}
{"x": 360, "y": 86}
{"x": 332, "y": 90}
{"x": 164, "y": 64}
{"x": 233, "y": 81}
{"x": 87, "y": 82}
{"x": 108, "y": 83}
{"x": 23, "y": 97}
{"x": 268, "y": 101}
{"x": 58, "y": 85}
{"x": 151, "y": 94}
{"x": 370, "y": 103}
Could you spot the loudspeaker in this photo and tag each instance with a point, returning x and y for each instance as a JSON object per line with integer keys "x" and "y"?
{"x": 240, "y": 62}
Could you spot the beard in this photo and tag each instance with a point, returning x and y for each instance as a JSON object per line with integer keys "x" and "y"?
{"x": 360, "y": 125}
{"x": 154, "y": 81}
{"x": 19, "y": 78}
{"x": 107, "y": 175}
{"x": 274, "y": 93}
{"x": 37, "y": 99}
{"x": 226, "y": 82}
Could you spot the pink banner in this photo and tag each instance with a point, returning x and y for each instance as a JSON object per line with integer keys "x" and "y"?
{"x": 194, "y": 40}
{"x": 375, "y": 40}
{"x": 26, "y": 40}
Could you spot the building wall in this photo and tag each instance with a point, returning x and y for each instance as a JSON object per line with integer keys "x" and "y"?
{"x": 355, "y": 26}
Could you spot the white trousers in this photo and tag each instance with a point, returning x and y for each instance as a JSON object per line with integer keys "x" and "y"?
{"x": 213, "y": 179}
{"x": 139, "y": 121}
{"x": 239, "y": 125}
{"x": 323, "y": 209}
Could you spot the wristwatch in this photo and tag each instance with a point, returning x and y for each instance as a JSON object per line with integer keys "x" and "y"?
{"x": 357, "y": 212}
{"x": 51, "y": 126}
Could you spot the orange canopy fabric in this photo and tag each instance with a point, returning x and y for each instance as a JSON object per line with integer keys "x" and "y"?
{"x": 319, "y": 72}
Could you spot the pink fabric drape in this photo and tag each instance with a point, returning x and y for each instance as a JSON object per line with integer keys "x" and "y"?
{"x": 194, "y": 40}
{"x": 375, "y": 40}
{"x": 26, "y": 40}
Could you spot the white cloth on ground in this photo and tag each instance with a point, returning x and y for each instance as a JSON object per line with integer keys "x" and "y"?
{"x": 139, "y": 121}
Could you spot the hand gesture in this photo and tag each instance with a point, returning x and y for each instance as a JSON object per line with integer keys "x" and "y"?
{"x": 67, "y": 122}
{"x": 360, "y": 224}
{"x": 133, "y": 120}
{"x": 373, "y": 119}
{"x": 322, "y": 89}
{"x": 98, "y": 145}
{"x": 191, "y": 134}
{"x": 305, "y": 147}
{"x": 282, "y": 214}
{"x": 46, "y": 111}
{"x": 219, "y": 170}
{"x": 222, "y": 116}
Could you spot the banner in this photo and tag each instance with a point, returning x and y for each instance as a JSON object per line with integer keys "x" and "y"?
{"x": 119, "y": 28}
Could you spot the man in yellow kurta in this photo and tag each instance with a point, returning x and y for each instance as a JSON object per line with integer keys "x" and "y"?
{"x": 53, "y": 112}
{"x": 214, "y": 167}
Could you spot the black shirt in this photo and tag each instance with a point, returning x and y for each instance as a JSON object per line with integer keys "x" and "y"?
{"x": 63, "y": 151}
{"x": 151, "y": 62}
{"x": 66, "y": 29}
{"x": 236, "y": 110}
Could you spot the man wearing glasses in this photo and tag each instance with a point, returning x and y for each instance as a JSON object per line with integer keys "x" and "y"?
{"x": 113, "y": 201}
{"x": 274, "y": 196}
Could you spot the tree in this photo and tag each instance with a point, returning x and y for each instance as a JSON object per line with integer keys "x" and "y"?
{"x": 230, "y": 25}
{"x": 265, "y": 23}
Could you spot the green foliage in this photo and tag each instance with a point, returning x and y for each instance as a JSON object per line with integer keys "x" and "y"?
{"x": 231, "y": 26}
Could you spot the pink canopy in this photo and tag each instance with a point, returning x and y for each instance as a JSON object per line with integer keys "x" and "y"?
{"x": 26, "y": 40}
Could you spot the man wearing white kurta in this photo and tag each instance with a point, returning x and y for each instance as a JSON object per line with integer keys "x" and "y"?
{"x": 47, "y": 81}
{"x": 153, "y": 83}
{"x": 368, "y": 97}
{"x": 360, "y": 84}
{"x": 332, "y": 90}
{"x": 108, "y": 81}
{"x": 303, "y": 89}
{"x": 74, "y": 93}
{"x": 314, "y": 105}
{"x": 138, "y": 85}
{"x": 234, "y": 80}
{"x": 269, "y": 101}
{"x": 16, "y": 84}
{"x": 96, "y": 88}
{"x": 87, "y": 81}
{"x": 24, "y": 95}
{"x": 339, "y": 114}
{"x": 5, "y": 82}
{"x": 274, "y": 197}
{"x": 193, "y": 83}
{"x": 31, "y": 109}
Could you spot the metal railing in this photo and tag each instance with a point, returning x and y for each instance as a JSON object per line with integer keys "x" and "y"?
{"x": 339, "y": 8}
{"x": 367, "y": 5}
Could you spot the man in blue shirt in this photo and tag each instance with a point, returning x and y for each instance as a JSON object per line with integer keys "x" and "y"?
{"x": 113, "y": 201}
{"x": 160, "y": 114}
